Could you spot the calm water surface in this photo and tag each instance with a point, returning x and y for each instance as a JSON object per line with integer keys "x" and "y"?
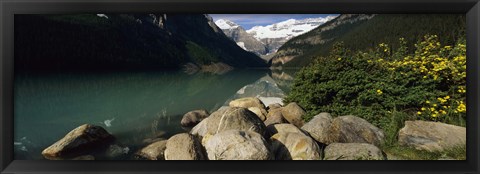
{"x": 133, "y": 106}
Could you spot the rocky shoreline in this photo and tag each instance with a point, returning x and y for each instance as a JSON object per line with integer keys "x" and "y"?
{"x": 249, "y": 130}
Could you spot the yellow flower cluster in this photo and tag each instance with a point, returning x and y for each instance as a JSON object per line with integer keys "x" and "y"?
{"x": 461, "y": 89}
{"x": 445, "y": 65}
{"x": 462, "y": 108}
{"x": 436, "y": 110}
{"x": 431, "y": 62}
{"x": 379, "y": 92}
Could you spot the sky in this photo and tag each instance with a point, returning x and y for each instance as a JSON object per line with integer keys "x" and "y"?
{"x": 248, "y": 21}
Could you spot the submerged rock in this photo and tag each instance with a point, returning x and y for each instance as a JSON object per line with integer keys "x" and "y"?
{"x": 353, "y": 151}
{"x": 183, "y": 147}
{"x": 293, "y": 114}
{"x": 81, "y": 140}
{"x": 294, "y": 146}
{"x": 247, "y": 102}
{"x": 318, "y": 127}
{"x": 352, "y": 129}
{"x": 114, "y": 151}
{"x": 432, "y": 136}
{"x": 192, "y": 118}
{"x": 154, "y": 151}
{"x": 237, "y": 145}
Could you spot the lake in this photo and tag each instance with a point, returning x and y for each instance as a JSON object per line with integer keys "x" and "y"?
{"x": 135, "y": 107}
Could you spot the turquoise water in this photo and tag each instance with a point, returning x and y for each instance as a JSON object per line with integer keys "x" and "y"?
{"x": 133, "y": 106}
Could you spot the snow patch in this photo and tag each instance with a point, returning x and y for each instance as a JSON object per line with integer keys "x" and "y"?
{"x": 289, "y": 28}
{"x": 226, "y": 24}
{"x": 102, "y": 16}
{"x": 242, "y": 45}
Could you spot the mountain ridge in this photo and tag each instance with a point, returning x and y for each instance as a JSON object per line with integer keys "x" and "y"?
{"x": 364, "y": 31}
{"x": 124, "y": 41}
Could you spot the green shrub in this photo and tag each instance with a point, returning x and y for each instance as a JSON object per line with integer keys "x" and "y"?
{"x": 387, "y": 87}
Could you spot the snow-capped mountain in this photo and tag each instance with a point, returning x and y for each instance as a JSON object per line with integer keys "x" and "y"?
{"x": 271, "y": 36}
{"x": 287, "y": 29}
{"x": 241, "y": 37}
{"x": 275, "y": 35}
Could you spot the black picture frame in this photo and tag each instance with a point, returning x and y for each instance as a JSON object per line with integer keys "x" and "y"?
{"x": 9, "y": 8}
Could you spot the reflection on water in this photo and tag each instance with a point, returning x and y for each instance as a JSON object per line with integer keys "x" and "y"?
{"x": 136, "y": 107}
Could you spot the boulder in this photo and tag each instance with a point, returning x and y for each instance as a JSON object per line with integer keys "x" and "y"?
{"x": 192, "y": 118}
{"x": 431, "y": 136}
{"x": 352, "y": 129}
{"x": 237, "y": 145}
{"x": 293, "y": 114}
{"x": 353, "y": 151}
{"x": 230, "y": 118}
{"x": 247, "y": 102}
{"x": 80, "y": 141}
{"x": 261, "y": 113}
{"x": 294, "y": 146}
{"x": 273, "y": 106}
{"x": 183, "y": 147}
{"x": 275, "y": 117}
{"x": 154, "y": 151}
{"x": 200, "y": 129}
{"x": 84, "y": 157}
{"x": 283, "y": 128}
{"x": 318, "y": 127}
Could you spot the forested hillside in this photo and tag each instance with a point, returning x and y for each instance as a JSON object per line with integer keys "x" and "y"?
{"x": 117, "y": 41}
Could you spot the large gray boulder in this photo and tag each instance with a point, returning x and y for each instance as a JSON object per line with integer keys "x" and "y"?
{"x": 275, "y": 117}
{"x": 230, "y": 118}
{"x": 261, "y": 113}
{"x": 353, "y": 151}
{"x": 184, "y": 147}
{"x": 247, "y": 102}
{"x": 294, "y": 146}
{"x": 283, "y": 128}
{"x": 200, "y": 129}
{"x": 318, "y": 127}
{"x": 352, "y": 129}
{"x": 192, "y": 118}
{"x": 80, "y": 141}
{"x": 154, "y": 151}
{"x": 237, "y": 145}
{"x": 293, "y": 113}
{"x": 432, "y": 136}
{"x": 274, "y": 106}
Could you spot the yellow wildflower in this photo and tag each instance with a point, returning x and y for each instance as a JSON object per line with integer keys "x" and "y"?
{"x": 379, "y": 92}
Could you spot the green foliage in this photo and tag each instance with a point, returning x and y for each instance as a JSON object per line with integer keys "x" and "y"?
{"x": 199, "y": 54}
{"x": 386, "y": 87}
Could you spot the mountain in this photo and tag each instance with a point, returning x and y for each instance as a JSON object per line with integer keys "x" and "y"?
{"x": 275, "y": 35}
{"x": 241, "y": 37}
{"x": 124, "y": 41}
{"x": 364, "y": 31}
{"x": 265, "y": 40}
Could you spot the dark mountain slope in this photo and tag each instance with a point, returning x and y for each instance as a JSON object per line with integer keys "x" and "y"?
{"x": 361, "y": 32}
{"x": 153, "y": 41}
